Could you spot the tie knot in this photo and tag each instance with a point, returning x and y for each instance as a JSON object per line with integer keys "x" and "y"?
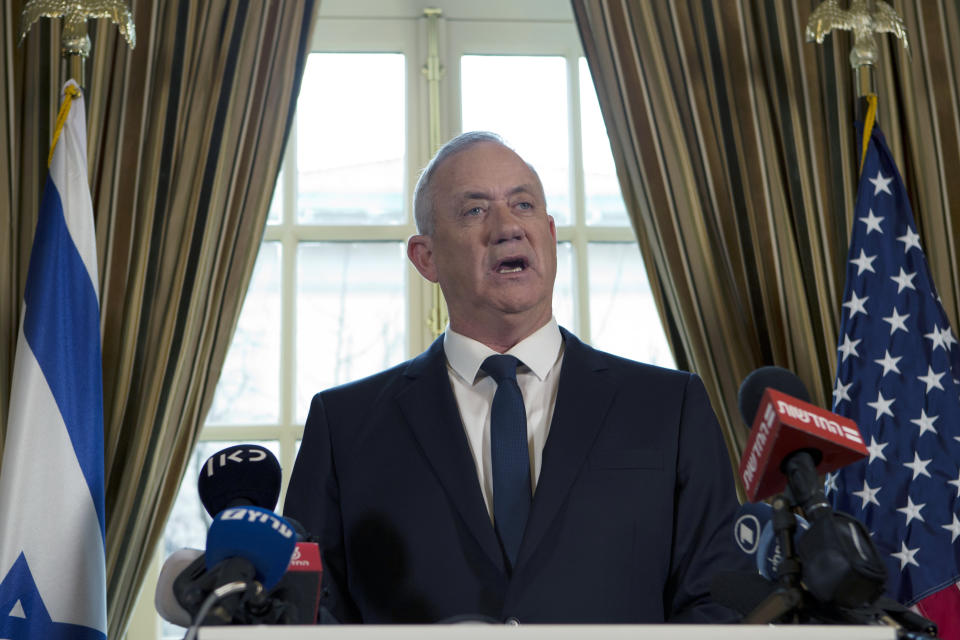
{"x": 501, "y": 367}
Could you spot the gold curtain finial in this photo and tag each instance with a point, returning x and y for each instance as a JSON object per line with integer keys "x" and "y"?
{"x": 74, "y": 40}
{"x": 864, "y": 18}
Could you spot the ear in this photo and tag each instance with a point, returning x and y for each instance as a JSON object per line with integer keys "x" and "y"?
{"x": 420, "y": 253}
{"x": 553, "y": 228}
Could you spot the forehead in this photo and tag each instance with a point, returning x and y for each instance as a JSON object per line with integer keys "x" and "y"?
{"x": 484, "y": 167}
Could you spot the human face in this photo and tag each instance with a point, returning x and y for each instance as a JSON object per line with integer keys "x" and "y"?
{"x": 493, "y": 248}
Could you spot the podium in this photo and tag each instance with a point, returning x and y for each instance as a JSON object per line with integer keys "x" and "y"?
{"x": 549, "y": 632}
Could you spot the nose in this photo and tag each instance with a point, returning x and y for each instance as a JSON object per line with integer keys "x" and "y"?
{"x": 504, "y": 225}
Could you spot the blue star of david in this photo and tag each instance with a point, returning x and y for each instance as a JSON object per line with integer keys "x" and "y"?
{"x": 19, "y": 585}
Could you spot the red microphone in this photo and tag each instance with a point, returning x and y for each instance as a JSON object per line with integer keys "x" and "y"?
{"x": 302, "y": 581}
{"x": 783, "y": 423}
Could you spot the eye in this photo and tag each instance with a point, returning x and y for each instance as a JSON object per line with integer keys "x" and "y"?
{"x": 525, "y": 205}
{"x": 473, "y": 211}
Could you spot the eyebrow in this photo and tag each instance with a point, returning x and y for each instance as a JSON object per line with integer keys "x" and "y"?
{"x": 483, "y": 195}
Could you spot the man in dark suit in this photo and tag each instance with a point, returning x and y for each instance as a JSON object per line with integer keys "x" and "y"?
{"x": 563, "y": 484}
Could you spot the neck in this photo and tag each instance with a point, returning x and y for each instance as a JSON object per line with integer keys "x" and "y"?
{"x": 500, "y": 336}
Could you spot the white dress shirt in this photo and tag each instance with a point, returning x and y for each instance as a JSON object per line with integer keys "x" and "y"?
{"x": 540, "y": 355}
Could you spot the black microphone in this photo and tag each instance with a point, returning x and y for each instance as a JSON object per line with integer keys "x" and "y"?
{"x": 241, "y": 475}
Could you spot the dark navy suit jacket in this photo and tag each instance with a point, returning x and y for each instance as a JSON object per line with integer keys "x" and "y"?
{"x": 631, "y": 517}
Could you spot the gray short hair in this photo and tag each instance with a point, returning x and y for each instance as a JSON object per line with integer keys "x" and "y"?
{"x": 423, "y": 204}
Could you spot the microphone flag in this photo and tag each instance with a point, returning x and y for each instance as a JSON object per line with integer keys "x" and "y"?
{"x": 52, "y": 555}
{"x": 898, "y": 367}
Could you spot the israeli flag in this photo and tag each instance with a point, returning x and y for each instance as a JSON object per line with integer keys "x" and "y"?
{"x": 52, "y": 567}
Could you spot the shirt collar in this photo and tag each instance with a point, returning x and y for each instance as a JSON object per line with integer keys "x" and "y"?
{"x": 538, "y": 351}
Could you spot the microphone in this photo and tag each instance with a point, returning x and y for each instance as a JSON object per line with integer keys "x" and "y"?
{"x": 791, "y": 441}
{"x": 777, "y": 404}
{"x": 164, "y": 599}
{"x": 248, "y": 550}
{"x": 241, "y": 475}
{"x": 255, "y": 534}
{"x": 248, "y": 475}
{"x": 301, "y": 584}
{"x": 754, "y": 533}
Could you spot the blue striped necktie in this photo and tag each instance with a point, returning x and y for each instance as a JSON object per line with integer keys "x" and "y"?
{"x": 509, "y": 456}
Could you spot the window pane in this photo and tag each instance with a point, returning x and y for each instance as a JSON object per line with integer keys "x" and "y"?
{"x": 602, "y": 189}
{"x": 248, "y": 391}
{"x": 351, "y": 313}
{"x": 524, "y": 99}
{"x": 351, "y": 139}
{"x": 563, "y": 300}
{"x": 189, "y": 521}
{"x": 623, "y": 318}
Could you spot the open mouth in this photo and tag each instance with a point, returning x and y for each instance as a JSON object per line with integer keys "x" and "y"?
{"x": 512, "y": 265}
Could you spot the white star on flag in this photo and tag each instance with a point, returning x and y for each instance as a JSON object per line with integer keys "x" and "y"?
{"x": 932, "y": 379}
{"x": 897, "y": 321}
{"x": 830, "y": 483}
{"x": 882, "y": 405}
{"x": 936, "y": 338}
{"x": 840, "y": 392}
{"x": 925, "y": 422}
{"x": 904, "y": 280}
{"x": 872, "y": 222}
{"x": 956, "y": 483}
{"x": 876, "y": 450}
{"x": 849, "y": 347}
{"x": 864, "y": 263}
{"x": 918, "y": 466}
{"x": 905, "y": 556}
{"x": 912, "y": 511}
{"x": 953, "y": 528}
{"x": 881, "y": 183}
{"x": 910, "y": 239}
{"x": 868, "y": 495}
{"x": 855, "y": 304}
{"x": 889, "y": 363}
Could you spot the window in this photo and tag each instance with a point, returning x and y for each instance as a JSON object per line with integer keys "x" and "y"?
{"x": 333, "y": 297}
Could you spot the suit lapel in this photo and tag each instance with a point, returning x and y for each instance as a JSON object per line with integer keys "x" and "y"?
{"x": 430, "y": 409}
{"x": 583, "y": 397}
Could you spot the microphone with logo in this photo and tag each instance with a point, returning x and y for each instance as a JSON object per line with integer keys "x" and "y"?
{"x": 248, "y": 550}
{"x": 238, "y": 476}
{"x": 791, "y": 442}
{"x": 249, "y": 474}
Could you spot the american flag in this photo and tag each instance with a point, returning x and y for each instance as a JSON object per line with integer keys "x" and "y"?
{"x": 898, "y": 377}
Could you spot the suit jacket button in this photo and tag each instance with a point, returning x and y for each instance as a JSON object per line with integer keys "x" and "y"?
{"x": 512, "y": 621}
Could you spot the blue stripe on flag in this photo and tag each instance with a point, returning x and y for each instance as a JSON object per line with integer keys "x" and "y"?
{"x": 61, "y": 325}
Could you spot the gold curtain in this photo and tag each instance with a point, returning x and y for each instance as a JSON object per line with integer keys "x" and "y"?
{"x": 186, "y": 134}
{"x": 734, "y": 145}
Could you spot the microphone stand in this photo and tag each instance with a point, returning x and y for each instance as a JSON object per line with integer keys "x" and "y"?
{"x": 215, "y": 596}
{"x": 788, "y": 596}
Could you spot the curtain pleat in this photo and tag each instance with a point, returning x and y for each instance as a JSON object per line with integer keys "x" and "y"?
{"x": 735, "y": 149}
{"x": 186, "y": 134}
